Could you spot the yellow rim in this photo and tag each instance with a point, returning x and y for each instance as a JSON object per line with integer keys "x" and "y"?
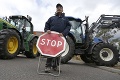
{"x": 34, "y": 49}
{"x": 12, "y": 45}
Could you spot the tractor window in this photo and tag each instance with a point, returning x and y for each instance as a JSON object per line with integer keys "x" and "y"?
{"x": 28, "y": 26}
{"x": 12, "y": 23}
{"x": 18, "y": 23}
{"x": 77, "y": 30}
{"x": 83, "y": 29}
{"x": 74, "y": 24}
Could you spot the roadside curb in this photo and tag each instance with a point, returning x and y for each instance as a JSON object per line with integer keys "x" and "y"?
{"x": 109, "y": 69}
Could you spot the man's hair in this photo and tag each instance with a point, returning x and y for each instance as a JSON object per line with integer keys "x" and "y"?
{"x": 59, "y": 5}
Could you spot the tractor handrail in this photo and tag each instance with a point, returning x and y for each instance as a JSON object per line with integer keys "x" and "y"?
{"x": 108, "y": 21}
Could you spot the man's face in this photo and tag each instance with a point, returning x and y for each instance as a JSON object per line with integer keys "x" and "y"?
{"x": 59, "y": 9}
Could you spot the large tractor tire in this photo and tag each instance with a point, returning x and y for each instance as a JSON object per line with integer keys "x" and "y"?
{"x": 69, "y": 51}
{"x": 9, "y": 44}
{"x": 87, "y": 58}
{"x": 33, "y": 52}
{"x": 105, "y": 54}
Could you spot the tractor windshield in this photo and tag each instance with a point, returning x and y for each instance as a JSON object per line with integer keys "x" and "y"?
{"x": 18, "y": 23}
{"x": 76, "y": 26}
{"x": 76, "y": 29}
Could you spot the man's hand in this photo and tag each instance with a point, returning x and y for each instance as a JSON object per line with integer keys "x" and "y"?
{"x": 60, "y": 34}
{"x": 48, "y": 31}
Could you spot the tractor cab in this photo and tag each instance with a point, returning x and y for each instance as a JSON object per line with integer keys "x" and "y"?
{"x": 80, "y": 31}
{"x": 23, "y": 25}
{"x": 76, "y": 29}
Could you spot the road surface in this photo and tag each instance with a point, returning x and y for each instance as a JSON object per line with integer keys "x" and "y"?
{"x": 22, "y": 68}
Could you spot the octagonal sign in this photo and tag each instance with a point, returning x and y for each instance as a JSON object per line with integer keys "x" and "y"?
{"x": 51, "y": 44}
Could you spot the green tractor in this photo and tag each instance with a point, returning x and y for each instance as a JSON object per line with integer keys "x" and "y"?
{"x": 16, "y": 36}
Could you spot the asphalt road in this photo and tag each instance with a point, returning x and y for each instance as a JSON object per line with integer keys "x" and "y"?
{"x": 22, "y": 68}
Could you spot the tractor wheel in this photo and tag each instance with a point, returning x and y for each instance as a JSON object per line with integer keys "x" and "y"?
{"x": 86, "y": 58}
{"x": 68, "y": 54}
{"x": 33, "y": 52}
{"x": 9, "y": 44}
{"x": 105, "y": 54}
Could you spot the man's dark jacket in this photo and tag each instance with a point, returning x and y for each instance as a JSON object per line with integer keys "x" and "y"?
{"x": 59, "y": 24}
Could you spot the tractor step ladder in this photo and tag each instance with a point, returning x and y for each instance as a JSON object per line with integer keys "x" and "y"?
{"x": 40, "y": 71}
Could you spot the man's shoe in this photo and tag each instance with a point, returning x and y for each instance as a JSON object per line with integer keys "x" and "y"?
{"x": 55, "y": 68}
{"x": 47, "y": 69}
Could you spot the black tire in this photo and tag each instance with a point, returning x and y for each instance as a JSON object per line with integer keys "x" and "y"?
{"x": 68, "y": 54}
{"x": 87, "y": 58}
{"x": 105, "y": 54}
{"x": 33, "y": 52}
{"x": 9, "y": 44}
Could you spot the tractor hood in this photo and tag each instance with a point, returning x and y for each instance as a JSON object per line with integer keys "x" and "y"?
{"x": 4, "y": 24}
{"x": 97, "y": 40}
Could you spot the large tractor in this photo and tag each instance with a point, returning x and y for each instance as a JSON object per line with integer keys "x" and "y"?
{"x": 108, "y": 29}
{"x": 81, "y": 41}
{"x": 16, "y": 36}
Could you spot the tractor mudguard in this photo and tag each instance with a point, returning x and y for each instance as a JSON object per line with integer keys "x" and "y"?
{"x": 32, "y": 36}
{"x": 27, "y": 42}
{"x": 95, "y": 42}
{"x": 92, "y": 47}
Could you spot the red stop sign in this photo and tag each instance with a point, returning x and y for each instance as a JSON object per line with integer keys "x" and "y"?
{"x": 51, "y": 44}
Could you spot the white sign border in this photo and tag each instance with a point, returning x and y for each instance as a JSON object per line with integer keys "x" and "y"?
{"x": 48, "y": 54}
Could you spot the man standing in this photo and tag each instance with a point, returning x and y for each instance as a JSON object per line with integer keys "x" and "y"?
{"x": 60, "y": 24}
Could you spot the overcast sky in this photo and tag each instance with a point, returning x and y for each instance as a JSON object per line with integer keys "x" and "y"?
{"x": 41, "y": 10}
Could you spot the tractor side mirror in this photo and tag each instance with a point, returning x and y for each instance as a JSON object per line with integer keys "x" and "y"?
{"x": 29, "y": 18}
{"x": 86, "y": 18}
